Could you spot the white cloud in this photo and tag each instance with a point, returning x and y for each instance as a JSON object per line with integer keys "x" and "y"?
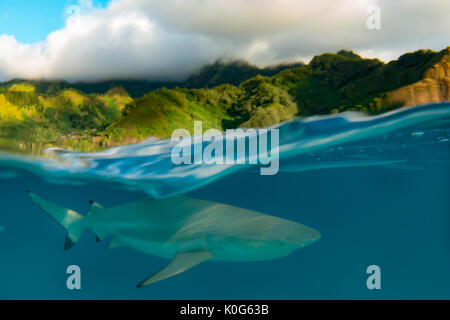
{"x": 172, "y": 38}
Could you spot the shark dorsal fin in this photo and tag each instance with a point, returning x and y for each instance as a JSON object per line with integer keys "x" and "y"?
{"x": 115, "y": 243}
{"x": 94, "y": 207}
{"x": 181, "y": 262}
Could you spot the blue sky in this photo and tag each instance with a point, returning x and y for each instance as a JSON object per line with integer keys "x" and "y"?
{"x": 31, "y": 21}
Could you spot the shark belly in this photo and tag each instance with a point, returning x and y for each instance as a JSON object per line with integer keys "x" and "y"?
{"x": 163, "y": 249}
{"x": 236, "y": 249}
{"x": 221, "y": 250}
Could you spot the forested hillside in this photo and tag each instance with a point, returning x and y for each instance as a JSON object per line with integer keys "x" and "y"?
{"x": 37, "y": 114}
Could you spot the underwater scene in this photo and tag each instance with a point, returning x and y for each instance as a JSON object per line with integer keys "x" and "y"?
{"x": 352, "y": 193}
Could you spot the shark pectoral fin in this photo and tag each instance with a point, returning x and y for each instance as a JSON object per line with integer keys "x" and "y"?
{"x": 181, "y": 262}
{"x": 115, "y": 243}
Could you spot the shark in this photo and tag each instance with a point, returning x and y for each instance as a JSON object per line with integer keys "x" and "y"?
{"x": 184, "y": 230}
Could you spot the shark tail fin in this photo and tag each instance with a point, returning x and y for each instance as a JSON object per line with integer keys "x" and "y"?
{"x": 69, "y": 219}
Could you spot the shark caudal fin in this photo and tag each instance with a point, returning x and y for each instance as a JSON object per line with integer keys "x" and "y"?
{"x": 69, "y": 219}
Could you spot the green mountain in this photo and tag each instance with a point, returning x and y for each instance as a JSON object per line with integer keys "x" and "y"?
{"x": 37, "y": 114}
{"x": 209, "y": 76}
{"x": 232, "y": 73}
{"x": 135, "y": 88}
{"x": 67, "y": 118}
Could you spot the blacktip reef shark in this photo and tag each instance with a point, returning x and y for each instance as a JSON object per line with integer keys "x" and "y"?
{"x": 187, "y": 231}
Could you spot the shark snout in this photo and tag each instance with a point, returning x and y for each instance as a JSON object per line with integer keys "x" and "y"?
{"x": 304, "y": 238}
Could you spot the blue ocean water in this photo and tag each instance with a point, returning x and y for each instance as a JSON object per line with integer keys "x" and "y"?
{"x": 377, "y": 188}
